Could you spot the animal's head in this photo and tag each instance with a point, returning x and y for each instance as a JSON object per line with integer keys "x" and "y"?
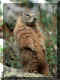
{"x": 29, "y": 18}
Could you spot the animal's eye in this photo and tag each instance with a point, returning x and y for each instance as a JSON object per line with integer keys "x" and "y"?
{"x": 27, "y": 14}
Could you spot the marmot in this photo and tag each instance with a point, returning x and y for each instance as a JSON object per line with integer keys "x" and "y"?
{"x": 32, "y": 44}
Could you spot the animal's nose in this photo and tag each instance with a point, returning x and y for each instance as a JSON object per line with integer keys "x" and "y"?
{"x": 34, "y": 19}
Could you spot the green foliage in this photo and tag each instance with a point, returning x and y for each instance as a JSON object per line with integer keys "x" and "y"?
{"x": 44, "y": 19}
{"x": 27, "y": 3}
{"x": 51, "y": 52}
{"x": 9, "y": 55}
{"x": 1, "y": 13}
{"x": 1, "y": 24}
{"x": 48, "y": 0}
{"x": 1, "y": 49}
{"x": 0, "y": 10}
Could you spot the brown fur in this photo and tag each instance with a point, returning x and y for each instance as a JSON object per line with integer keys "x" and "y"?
{"x": 32, "y": 47}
